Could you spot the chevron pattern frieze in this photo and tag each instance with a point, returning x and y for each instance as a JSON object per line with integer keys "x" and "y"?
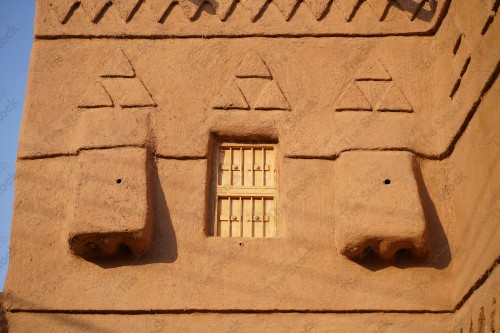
{"x": 159, "y": 10}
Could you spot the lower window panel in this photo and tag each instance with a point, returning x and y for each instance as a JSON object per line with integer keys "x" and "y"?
{"x": 245, "y": 216}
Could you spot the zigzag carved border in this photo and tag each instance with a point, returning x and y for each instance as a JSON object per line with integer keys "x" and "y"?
{"x": 95, "y": 10}
{"x": 240, "y": 17}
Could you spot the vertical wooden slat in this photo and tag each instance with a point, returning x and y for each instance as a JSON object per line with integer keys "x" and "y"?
{"x": 248, "y": 167}
{"x": 262, "y": 167}
{"x": 235, "y": 224}
{"x": 229, "y": 218}
{"x": 270, "y": 211}
{"x": 269, "y": 174}
{"x": 257, "y": 211}
{"x": 264, "y": 173}
{"x": 242, "y": 167}
{"x": 264, "y": 223}
{"x": 247, "y": 230}
{"x": 231, "y": 166}
{"x": 241, "y": 217}
{"x": 223, "y": 216}
{"x": 258, "y": 163}
{"x": 236, "y": 166}
{"x": 251, "y": 216}
{"x": 253, "y": 171}
{"x": 262, "y": 213}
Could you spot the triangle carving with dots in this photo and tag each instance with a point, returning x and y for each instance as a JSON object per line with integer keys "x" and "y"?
{"x": 252, "y": 87}
{"x": 117, "y": 85}
{"x": 373, "y": 89}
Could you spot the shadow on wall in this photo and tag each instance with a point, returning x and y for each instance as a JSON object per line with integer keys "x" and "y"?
{"x": 164, "y": 246}
{"x": 416, "y": 8}
{"x": 439, "y": 256}
{"x": 422, "y": 14}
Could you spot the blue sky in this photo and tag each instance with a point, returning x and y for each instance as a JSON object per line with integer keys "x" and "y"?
{"x": 16, "y": 37}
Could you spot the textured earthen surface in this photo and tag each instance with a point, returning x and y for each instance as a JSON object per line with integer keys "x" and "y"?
{"x": 479, "y": 313}
{"x": 113, "y": 202}
{"x": 382, "y": 118}
{"x": 379, "y": 205}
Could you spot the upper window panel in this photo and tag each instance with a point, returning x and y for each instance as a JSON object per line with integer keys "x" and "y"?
{"x": 245, "y": 168}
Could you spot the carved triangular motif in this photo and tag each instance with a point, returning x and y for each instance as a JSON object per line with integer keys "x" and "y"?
{"x": 251, "y": 88}
{"x": 63, "y": 8}
{"x": 127, "y": 8}
{"x": 130, "y": 92}
{"x": 118, "y": 66}
{"x": 353, "y": 99}
{"x": 286, "y": 7}
{"x": 254, "y": 7}
{"x": 396, "y": 14}
{"x": 137, "y": 96}
{"x": 318, "y": 7}
{"x": 160, "y": 8}
{"x": 347, "y": 7}
{"x": 231, "y": 97}
{"x": 373, "y": 71}
{"x": 271, "y": 98}
{"x": 95, "y": 8}
{"x": 394, "y": 101}
{"x": 373, "y": 90}
{"x": 95, "y": 96}
{"x": 378, "y": 7}
{"x": 253, "y": 66}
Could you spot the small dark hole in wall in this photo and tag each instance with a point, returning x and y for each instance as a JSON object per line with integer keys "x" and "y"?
{"x": 119, "y": 181}
{"x": 387, "y": 181}
{"x": 241, "y": 244}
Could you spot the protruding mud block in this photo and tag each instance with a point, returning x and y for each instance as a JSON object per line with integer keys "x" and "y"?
{"x": 378, "y": 205}
{"x": 113, "y": 203}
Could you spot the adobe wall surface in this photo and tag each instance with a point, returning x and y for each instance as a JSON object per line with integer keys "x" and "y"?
{"x": 479, "y": 313}
{"x": 371, "y": 124}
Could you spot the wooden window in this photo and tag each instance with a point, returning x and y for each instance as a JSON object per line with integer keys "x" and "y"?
{"x": 245, "y": 191}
